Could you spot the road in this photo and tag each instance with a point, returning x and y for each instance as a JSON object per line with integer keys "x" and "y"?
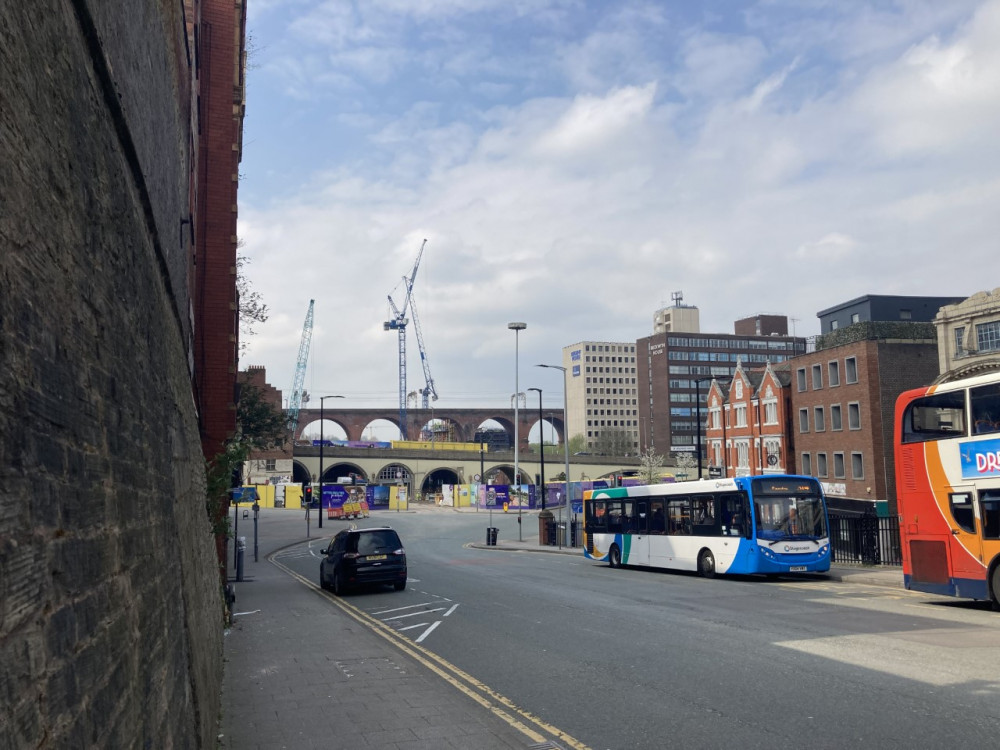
{"x": 638, "y": 658}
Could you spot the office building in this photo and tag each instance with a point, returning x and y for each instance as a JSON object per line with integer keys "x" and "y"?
{"x": 601, "y": 399}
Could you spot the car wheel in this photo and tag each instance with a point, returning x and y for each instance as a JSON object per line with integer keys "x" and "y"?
{"x": 706, "y": 564}
{"x": 338, "y": 584}
{"x": 399, "y": 585}
{"x": 614, "y": 557}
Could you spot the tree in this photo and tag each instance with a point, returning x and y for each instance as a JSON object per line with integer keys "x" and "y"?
{"x": 577, "y": 443}
{"x": 260, "y": 425}
{"x": 251, "y": 305}
{"x": 614, "y": 441}
{"x": 686, "y": 462}
{"x": 650, "y": 463}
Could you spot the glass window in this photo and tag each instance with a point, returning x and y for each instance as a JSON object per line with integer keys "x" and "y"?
{"x": 806, "y": 464}
{"x": 857, "y": 465}
{"x": 821, "y": 465}
{"x": 854, "y": 416}
{"x": 961, "y": 511}
{"x": 836, "y": 418}
{"x": 985, "y": 404}
{"x": 855, "y": 317}
{"x": 678, "y": 515}
{"x": 803, "y": 420}
{"x": 819, "y": 419}
{"x": 959, "y": 339}
{"x": 940, "y": 415}
{"x": 839, "y": 469}
{"x": 851, "y": 369}
{"x": 988, "y": 336}
{"x": 833, "y": 369}
{"x": 800, "y": 376}
{"x": 834, "y": 325}
{"x": 989, "y": 502}
{"x": 817, "y": 376}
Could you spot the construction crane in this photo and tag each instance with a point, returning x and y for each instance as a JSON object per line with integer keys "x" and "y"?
{"x": 398, "y": 323}
{"x": 300, "y": 370}
{"x": 428, "y": 392}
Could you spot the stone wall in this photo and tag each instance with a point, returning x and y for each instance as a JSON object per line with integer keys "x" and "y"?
{"x": 110, "y": 604}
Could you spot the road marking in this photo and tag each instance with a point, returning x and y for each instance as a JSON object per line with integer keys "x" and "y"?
{"x": 453, "y": 608}
{"x": 411, "y": 614}
{"x": 499, "y": 705}
{"x": 427, "y": 632}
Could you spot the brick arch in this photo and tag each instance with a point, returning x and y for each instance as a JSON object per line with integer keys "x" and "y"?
{"x": 466, "y": 421}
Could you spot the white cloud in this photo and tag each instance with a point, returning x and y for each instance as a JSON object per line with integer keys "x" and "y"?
{"x": 747, "y": 165}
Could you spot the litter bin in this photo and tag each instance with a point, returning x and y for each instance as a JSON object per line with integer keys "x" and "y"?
{"x": 241, "y": 548}
{"x": 491, "y": 536}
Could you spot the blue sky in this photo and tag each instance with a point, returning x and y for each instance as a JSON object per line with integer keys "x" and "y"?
{"x": 572, "y": 163}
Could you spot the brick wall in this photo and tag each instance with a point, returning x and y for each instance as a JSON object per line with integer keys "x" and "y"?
{"x": 110, "y": 608}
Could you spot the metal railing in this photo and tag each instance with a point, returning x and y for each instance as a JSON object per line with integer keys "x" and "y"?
{"x": 865, "y": 540}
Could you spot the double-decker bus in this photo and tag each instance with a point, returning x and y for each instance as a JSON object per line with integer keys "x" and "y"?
{"x": 947, "y": 445}
{"x": 771, "y": 524}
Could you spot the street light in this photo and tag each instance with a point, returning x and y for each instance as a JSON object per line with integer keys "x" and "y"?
{"x": 321, "y": 400}
{"x": 565, "y": 435}
{"x": 541, "y": 439}
{"x": 516, "y": 328}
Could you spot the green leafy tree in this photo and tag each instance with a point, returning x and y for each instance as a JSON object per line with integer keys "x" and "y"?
{"x": 577, "y": 443}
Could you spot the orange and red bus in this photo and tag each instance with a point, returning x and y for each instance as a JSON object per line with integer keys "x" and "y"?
{"x": 947, "y": 443}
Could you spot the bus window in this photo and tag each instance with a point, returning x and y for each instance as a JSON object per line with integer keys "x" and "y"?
{"x": 985, "y": 404}
{"x": 989, "y": 501}
{"x": 961, "y": 511}
{"x": 678, "y": 516}
{"x": 934, "y": 417}
{"x": 597, "y": 512}
{"x": 657, "y": 521}
{"x": 731, "y": 512}
{"x": 641, "y": 519}
{"x": 614, "y": 517}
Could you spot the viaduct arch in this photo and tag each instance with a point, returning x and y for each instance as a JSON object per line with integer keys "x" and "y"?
{"x": 465, "y": 421}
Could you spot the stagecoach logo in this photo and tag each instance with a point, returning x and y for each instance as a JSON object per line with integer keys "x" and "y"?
{"x": 797, "y": 548}
{"x": 980, "y": 458}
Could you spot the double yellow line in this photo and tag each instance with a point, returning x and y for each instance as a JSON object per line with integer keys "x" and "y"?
{"x": 534, "y": 728}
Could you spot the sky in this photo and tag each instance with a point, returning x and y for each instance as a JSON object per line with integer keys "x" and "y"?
{"x": 572, "y": 164}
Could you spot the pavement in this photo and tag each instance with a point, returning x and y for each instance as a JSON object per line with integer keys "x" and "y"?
{"x": 306, "y": 670}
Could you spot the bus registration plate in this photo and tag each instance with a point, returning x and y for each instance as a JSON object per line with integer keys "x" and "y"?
{"x": 797, "y": 569}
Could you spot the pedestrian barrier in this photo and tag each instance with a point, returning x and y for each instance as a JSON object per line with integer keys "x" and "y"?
{"x": 865, "y": 540}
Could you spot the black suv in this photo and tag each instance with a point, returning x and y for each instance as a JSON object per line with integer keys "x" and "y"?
{"x": 360, "y": 556}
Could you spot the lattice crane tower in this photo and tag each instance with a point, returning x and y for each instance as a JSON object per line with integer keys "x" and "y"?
{"x": 300, "y": 370}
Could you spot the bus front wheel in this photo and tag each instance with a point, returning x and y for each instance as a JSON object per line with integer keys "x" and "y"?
{"x": 614, "y": 556}
{"x": 995, "y": 586}
{"x": 706, "y": 564}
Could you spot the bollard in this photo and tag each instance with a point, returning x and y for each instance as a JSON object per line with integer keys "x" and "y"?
{"x": 241, "y": 548}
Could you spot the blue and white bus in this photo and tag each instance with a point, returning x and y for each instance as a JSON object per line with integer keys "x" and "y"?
{"x": 771, "y": 524}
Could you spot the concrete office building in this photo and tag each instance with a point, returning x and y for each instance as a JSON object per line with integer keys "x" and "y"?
{"x": 601, "y": 395}
{"x": 674, "y": 371}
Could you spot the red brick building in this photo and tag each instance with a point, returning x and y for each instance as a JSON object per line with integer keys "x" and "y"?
{"x": 220, "y": 52}
{"x": 747, "y": 428}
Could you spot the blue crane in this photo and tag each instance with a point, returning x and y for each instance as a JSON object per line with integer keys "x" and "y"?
{"x": 300, "y": 370}
{"x": 398, "y": 323}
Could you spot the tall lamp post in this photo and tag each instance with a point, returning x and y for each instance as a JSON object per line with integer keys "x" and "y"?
{"x": 517, "y": 328}
{"x": 569, "y": 507}
{"x": 321, "y": 400}
{"x": 541, "y": 440}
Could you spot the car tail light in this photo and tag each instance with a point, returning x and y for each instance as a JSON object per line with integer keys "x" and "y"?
{"x": 398, "y": 551}
{"x": 351, "y": 555}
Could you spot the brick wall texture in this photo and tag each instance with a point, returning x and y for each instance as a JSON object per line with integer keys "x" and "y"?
{"x": 110, "y": 605}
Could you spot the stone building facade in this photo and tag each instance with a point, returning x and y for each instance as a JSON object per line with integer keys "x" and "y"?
{"x": 111, "y": 608}
{"x": 968, "y": 335}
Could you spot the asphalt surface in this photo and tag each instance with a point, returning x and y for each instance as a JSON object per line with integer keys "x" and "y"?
{"x": 302, "y": 671}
